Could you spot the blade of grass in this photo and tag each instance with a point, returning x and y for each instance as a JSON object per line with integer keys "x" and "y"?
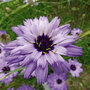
{"x": 15, "y": 11}
{"x": 83, "y": 35}
{"x": 19, "y": 69}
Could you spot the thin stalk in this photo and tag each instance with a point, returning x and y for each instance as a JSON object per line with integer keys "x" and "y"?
{"x": 15, "y": 11}
{"x": 53, "y": 2}
{"x": 16, "y": 70}
{"x": 83, "y": 35}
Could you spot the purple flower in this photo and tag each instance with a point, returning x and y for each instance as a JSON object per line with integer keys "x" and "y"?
{"x": 10, "y": 88}
{"x": 4, "y": 0}
{"x": 39, "y": 44}
{"x": 2, "y": 32}
{"x": 23, "y": 87}
{"x": 25, "y": 1}
{"x": 76, "y": 31}
{"x": 57, "y": 82}
{"x": 5, "y": 68}
{"x": 31, "y": 1}
{"x": 4, "y": 37}
{"x": 75, "y": 67}
{"x": 36, "y": 3}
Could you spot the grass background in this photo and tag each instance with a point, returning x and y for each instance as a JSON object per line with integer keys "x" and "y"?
{"x": 76, "y": 13}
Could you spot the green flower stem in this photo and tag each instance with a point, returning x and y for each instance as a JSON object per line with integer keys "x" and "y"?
{"x": 83, "y": 35}
{"x": 15, "y": 11}
{"x": 16, "y": 70}
{"x": 53, "y": 2}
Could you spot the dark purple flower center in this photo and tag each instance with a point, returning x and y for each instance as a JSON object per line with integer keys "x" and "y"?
{"x": 89, "y": 44}
{"x": 6, "y": 69}
{"x": 77, "y": 33}
{"x": 59, "y": 81}
{"x": 73, "y": 67}
{"x": 44, "y": 44}
{"x": 0, "y": 50}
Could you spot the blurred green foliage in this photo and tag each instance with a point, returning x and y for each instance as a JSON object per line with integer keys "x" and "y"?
{"x": 76, "y": 13}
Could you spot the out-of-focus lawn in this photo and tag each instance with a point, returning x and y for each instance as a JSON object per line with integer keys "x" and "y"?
{"x": 77, "y": 14}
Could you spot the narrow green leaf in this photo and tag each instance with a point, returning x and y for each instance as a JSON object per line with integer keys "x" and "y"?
{"x": 14, "y": 11}
{"x": 16, "y": 70}
{"x": 83, "y": 35}
{"x": 52, "y": 2}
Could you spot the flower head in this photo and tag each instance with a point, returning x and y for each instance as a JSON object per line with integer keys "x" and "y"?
{"x": 5, "y": 68}
{"x": 10, "y": 88}
{"x": 25, "y": 1}
{"x": 31, "y": 1}
{"x": 75, "y": 67}
{"x": 4, "y": 37}
{"x": 39, "y": 44}
{"x": 76, "y": 31}
{"x": 57, "y": 82}
{"x": 4, "y": 0}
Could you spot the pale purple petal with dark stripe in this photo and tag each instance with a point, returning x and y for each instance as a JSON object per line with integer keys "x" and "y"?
{"x": 17, "y": 31}
{"x": 74, "y": 51}
{"x": 29, "y": 69}
{"x": 41, "y": 74}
